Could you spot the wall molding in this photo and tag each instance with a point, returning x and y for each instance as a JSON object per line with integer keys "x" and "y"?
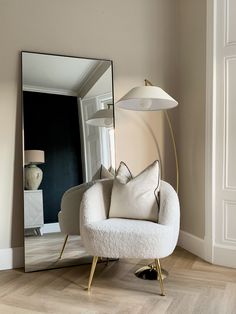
{"x": 11, "y": 258}
{"x": 14, "y": 257}
{"x": 210, "y": 139}
{"x": 46, "y": 90}
{"x": 226, "y": 154}
{"x": 227, "y": 41}
{"x": 225, "y": 255}
{"x": 51, "y": 228}
{"x": 191, "y": 243}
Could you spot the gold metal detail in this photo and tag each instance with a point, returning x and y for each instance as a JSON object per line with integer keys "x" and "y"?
{"x": 63, "y": 247}
{"x": 149, "y": 272}
{"x": 93, "y": 267}
{"x": 147, "y": 82}
{"x": 159, "y": 277}
{"x": 175, "y": 151}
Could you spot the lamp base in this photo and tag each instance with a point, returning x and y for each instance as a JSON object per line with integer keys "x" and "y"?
{"x": 149, "y": 272}
{"x": 33, "y": 177}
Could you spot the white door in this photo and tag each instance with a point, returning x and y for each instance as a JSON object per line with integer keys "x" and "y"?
{"x": 91, "y": 139}
{"x": 107, "y": 145}
{"x": 224, "y": 135}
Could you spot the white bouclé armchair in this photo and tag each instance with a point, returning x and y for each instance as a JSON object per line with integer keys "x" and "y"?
{"x": 128, "y": 238}
{"x": 69, "y": 215}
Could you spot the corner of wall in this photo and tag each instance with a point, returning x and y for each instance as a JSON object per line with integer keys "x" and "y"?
{"x": 11, "y": 258}
{"x": 191, "y": 243}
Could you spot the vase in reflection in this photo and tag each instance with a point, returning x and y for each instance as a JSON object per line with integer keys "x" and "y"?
{"x": 33, "y": 174}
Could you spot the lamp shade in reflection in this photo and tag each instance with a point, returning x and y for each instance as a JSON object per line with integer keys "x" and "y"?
{"x": 146, "y": 98}
{"x": 33, "y": 174}
{"x": 102, "y": 118}
{"x": 34, "y": 157}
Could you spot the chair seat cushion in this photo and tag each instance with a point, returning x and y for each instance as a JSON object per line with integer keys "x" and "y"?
{"x": 129, "y": 238}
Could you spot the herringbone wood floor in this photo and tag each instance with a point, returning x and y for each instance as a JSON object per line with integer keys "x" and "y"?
{"x": 193, "y": 286}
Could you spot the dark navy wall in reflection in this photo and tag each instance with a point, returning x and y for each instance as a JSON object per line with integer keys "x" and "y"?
{"x": 51, "y": 124}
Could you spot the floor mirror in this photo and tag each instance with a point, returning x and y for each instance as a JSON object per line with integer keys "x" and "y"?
{"x": 68, "y": 137}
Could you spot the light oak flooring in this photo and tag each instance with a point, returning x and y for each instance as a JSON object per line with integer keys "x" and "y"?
{"x": 42, "y": 252}
{"x": 193, "y": 286}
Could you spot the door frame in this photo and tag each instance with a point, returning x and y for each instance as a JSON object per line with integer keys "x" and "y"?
{"x": 210, "y": 131}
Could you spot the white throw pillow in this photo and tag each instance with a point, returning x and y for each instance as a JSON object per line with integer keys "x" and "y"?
{"x": 136, "y": 198}
{"x": 103, "y": 173}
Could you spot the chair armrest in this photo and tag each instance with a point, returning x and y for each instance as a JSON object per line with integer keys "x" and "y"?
{"x": 68, "y": 217}
{"x": 169, "y": 213}
{"x": 96, "y": 202}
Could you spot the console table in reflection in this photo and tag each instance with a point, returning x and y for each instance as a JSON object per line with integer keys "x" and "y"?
{"x": 33, "y": 213}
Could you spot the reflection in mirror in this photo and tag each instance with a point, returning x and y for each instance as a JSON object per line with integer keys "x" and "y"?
{"x": 68, "y": 135}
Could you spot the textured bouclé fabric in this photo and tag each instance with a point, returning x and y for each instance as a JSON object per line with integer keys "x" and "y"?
{"x": 129, "y": 238}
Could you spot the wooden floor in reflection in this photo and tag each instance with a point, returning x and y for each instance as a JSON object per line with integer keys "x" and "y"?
{"x": 42, "y": 252}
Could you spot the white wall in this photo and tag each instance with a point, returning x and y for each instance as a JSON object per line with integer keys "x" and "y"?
{"x": 138, "y": 35}
{"x": 191, "y": 114}
{"x": 221, "y": 149}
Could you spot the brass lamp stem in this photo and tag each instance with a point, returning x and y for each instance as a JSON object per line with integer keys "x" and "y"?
{"x": 175, "y": 151}
{"x": 147, "y": 82}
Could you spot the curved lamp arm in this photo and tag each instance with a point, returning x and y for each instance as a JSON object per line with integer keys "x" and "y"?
{"x": 147, "y": 82}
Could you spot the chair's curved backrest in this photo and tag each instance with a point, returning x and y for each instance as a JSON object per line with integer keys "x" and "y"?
{"x": 69, "y": 215}
{"x": 96, "y": 201}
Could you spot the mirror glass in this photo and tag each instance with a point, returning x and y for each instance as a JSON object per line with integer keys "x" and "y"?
{"x": 68, "y": 137}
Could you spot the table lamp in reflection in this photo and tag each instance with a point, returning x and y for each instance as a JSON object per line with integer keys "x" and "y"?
{"x": 33, "y": 174}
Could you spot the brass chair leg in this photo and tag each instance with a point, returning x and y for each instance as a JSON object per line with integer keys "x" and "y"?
{"x": 93, "y": 267}
{"x": 159, "y": 277}
{"x": 63, "y": 247}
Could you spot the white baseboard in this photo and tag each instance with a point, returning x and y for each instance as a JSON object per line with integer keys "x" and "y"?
{"x": 51, "y": 228}
{"x": 192, "y": 243}
{"x": 224, "y": 255}
{"x": 14, "y": 257}
{"x": 11, "y": 258}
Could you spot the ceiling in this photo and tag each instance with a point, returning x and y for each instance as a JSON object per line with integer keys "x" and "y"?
{"x": 102, "y": 86}
{"x": 63, "y": 75}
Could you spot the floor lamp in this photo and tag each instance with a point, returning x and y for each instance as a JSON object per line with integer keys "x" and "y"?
{"x": 102, "y": 118}
{"x": 105, "y": 118}
{"x": 151, "y": 98}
